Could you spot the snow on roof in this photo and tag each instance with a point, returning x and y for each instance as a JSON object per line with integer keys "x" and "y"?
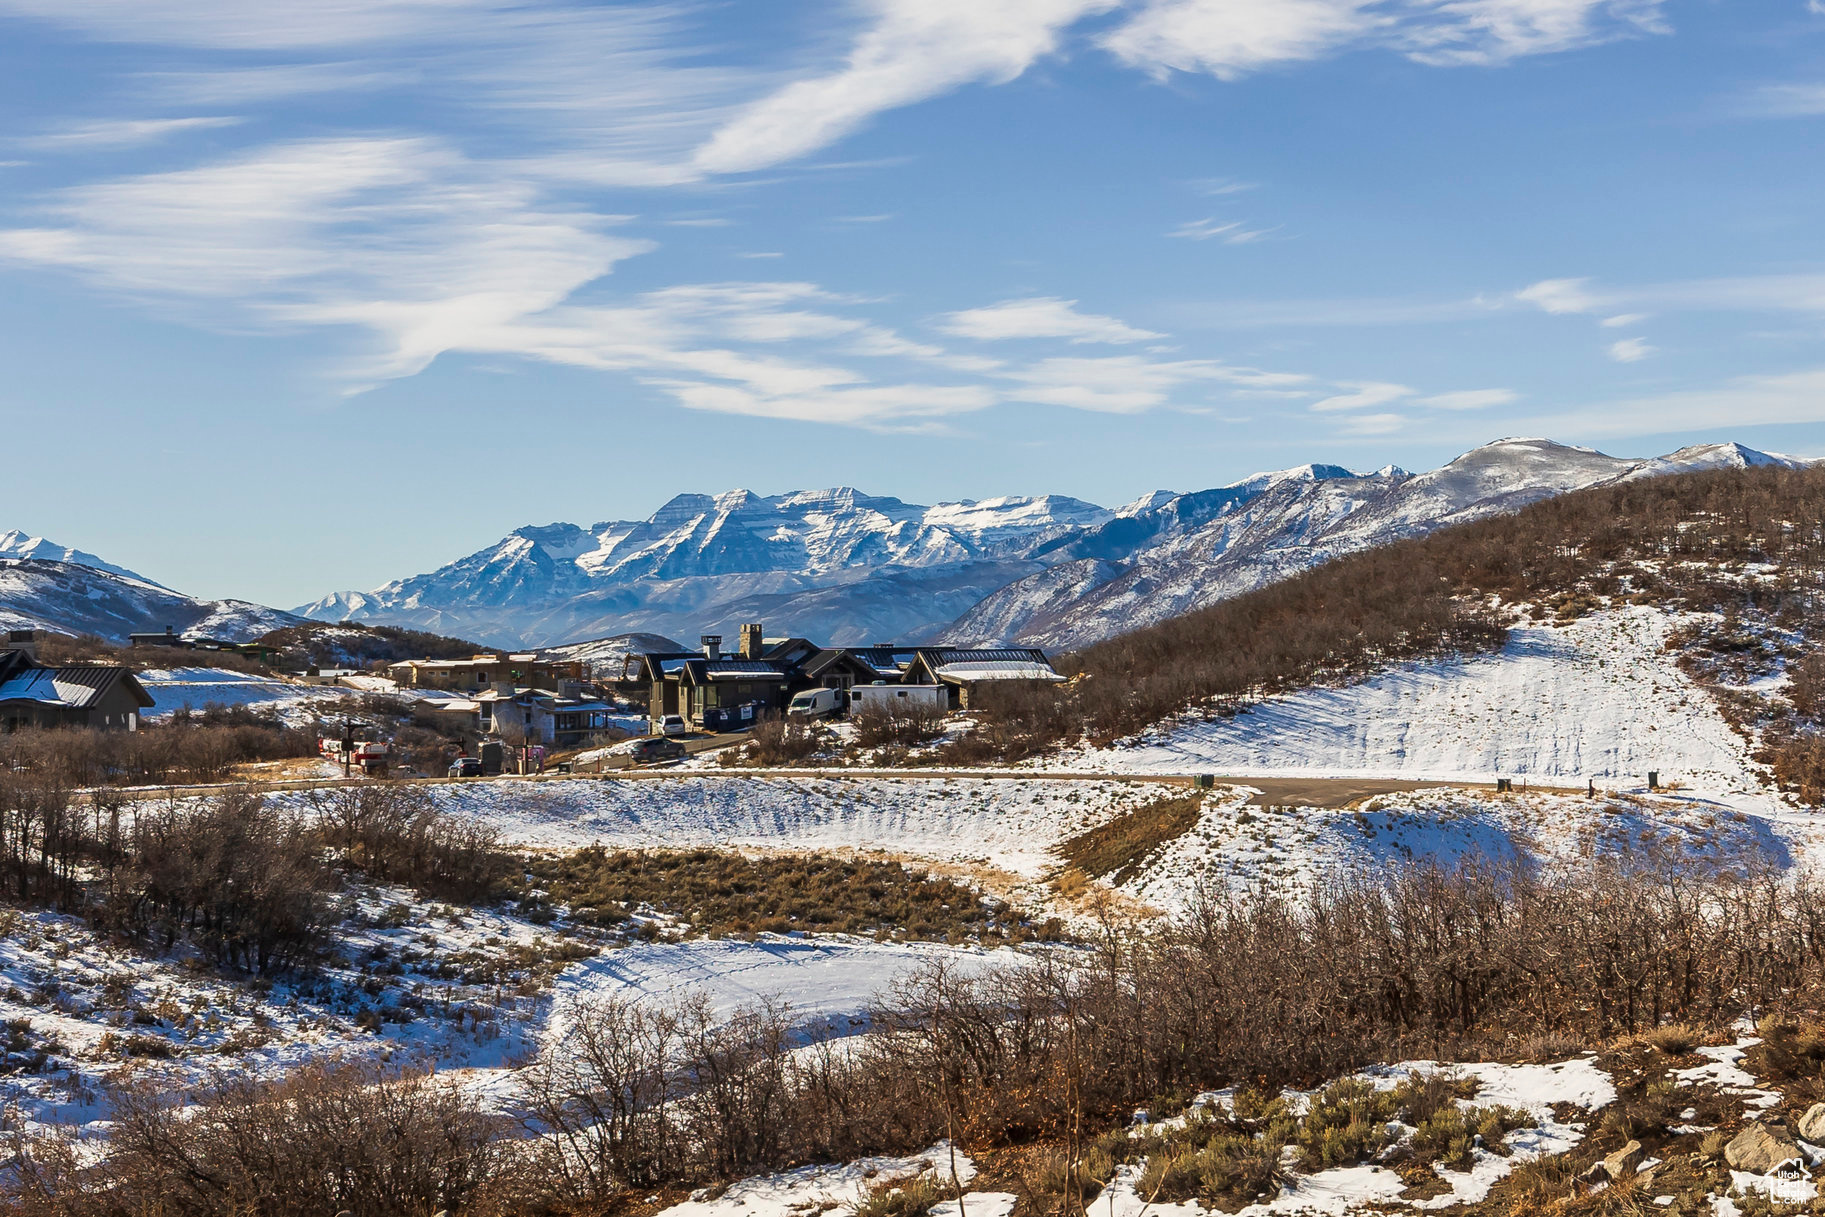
{"x": 35, "y": 685}
{"x": 995, "y": 669}
{"x": 76, "y": 687}
{"x": 741, "y": 669}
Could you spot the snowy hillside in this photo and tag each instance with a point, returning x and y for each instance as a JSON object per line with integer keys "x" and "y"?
{"x": 1226, "y": 544}
{"x": 848, "y": 567}
{"x": 605, "y": 656}
{"x": 1599, "y": 699}
{"x": 73, "y": 598}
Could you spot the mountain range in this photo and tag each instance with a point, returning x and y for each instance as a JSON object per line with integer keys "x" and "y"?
{"x": 849, "y": 567}
{"x": 844, "y": 566}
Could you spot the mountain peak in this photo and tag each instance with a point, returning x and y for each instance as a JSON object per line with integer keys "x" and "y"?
{"x": 17, "y": 543}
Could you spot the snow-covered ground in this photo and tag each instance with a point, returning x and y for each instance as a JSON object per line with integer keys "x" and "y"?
{"x": 1010, "y": 827}
{"x": 827, "y": 981}
{"x": 1009, "y": 824}
{"x": 194, "y": 688}
{"x": 431, "y": 982}
{"x": 1597, "y": 699}
{"x": 1241, "y": 848}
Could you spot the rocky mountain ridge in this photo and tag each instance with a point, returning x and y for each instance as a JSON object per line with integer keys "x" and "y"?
{"x": 842, "y": 565}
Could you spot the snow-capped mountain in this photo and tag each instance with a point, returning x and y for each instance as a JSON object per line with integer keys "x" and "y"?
{"x": 1222, "y": 544}
{"x": 843, "y": 566}
{"x": 84, "y": 595}
{"x": 838, "y": 563}
{"x": 17, "y": 544}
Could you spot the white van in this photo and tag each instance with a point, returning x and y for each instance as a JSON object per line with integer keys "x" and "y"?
{"x": 815, "y": 703}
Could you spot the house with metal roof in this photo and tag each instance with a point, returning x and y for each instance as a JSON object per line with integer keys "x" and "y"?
{"x": 965, "y": 670}
{"x": 101, "y": 697}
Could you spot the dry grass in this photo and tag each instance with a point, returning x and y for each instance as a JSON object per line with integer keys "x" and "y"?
{"x": 721, "y": 892}
{"x": 1117, "y": 849}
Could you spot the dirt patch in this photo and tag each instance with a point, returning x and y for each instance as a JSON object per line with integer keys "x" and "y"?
{"x": 1339, "y": 794}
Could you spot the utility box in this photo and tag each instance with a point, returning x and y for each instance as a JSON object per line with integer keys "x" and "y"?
{"x": 1204, "y": 781}
{"x": 1504, "y": 785}
{"x": 1653, "y": 779}
{"x": 493, "y": 757}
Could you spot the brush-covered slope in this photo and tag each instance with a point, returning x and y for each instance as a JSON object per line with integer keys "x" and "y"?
{"x": 1222, "y": 546}
{"x": 1705, "y": 595}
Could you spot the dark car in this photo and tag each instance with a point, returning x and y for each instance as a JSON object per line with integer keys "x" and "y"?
{"x": 466, "y": 767}
{"x": 658, "y": 748}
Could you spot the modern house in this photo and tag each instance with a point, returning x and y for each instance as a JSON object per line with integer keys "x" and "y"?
{"x": 539, "y": 716}
{"x": 966, "y": 670}
{"x": 168, "y": 637}
{"x": 101, "y": 697}
{"x": 523, "y": 670}
{"x": 713, "y": 690}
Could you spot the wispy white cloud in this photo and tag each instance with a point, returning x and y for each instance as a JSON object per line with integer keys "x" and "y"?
{"x": 240, "y": 86}
{"x": 1560, "y": 296}
{"x": 1121, "y": 384}
{"x": 1039, "y": 317}
{"x": 913, "y": 50}
{"x": 1362, "y": 395}
{"x": 403, "y": 238}
{"x": 1372, "y": 424}
{"x": 121, "y": 132}
{"x": 1229, "y": 40}
{"x": 1470, "y": 399}
{"x": 1742, "y": 293}
{"x": 1801, "y": 100}
{"x": 1622, "y": 320}
{"x": 262, "y": 25}
{"x": 1232, "y": 232}
{"x": 1630, "y": 350}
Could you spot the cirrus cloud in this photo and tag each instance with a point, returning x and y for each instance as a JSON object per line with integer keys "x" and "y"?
{"x": 1040, "y": 317}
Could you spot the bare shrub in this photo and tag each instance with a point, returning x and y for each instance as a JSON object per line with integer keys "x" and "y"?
{"x": 199, "y": 747}
{"x": 723, "y": 892}
{"x": 603, "y": 1096}
{"x": 398, "y": 834}
{"x": 238, "y": 878}
{"x": 887, "y": 724}
{"x": 780, "y": 740}
{"x": 325, "y": 1139}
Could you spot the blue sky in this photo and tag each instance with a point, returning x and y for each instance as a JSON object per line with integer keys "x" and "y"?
{"x": 308, "y": 297}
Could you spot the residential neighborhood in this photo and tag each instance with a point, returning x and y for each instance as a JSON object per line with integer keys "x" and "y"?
{"x": 714, "y": 690}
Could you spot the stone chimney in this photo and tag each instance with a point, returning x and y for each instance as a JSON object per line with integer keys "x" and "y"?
{"x": 712, "y": 645}
{"x": 751, "y": 641}
{"x": 24, "y": 640}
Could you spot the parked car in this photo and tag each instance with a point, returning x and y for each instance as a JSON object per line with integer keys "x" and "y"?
{"x": 815, "y": 703}
{"x": 673, "y": 724}
{"x": 466, "y": 767}
{"x": 657, "y": 748}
